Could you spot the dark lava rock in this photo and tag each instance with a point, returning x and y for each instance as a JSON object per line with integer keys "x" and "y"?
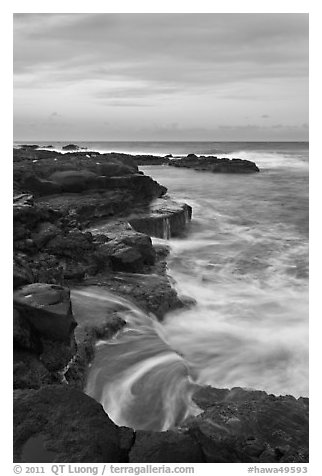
{"x": 129, "y": 250}
{"x": 72, "y": 245}
{"x": 43, "y": 324}
{"x": 192, "y": 156}
{"x": 61, "y": 424}
{"x": 70, "y": 147}
{"x": 29, "y": 371}
{"x": 165, "y": 447}
{"x": 45, "y": 232}
{"x": 215, "y": 165}
{"x": 150, "y": 160}
{"x": 250, "y": 426}
{"x": 22, "y": 273}
{"x": 29, "y": 146}
{"x": 152, "y": 292}
{"x": 23, "y": 335}
{"x": 47, "y": 308}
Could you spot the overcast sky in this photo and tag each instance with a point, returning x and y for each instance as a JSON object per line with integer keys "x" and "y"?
{"x": 160, "y": 77}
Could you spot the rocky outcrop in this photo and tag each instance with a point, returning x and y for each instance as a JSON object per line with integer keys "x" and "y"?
{"x": 61, "y": 424}
{"x": 43, "y": 334}
{"x": 165, "y": 219}
{"x": 215, "y": 165}
{"x": 240, "y": 426}
{"x": 70, "y": 147}
{"x": 29, "y": 146}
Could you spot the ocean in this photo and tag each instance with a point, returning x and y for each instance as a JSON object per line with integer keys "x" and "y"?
{"x": 244, "y": 259}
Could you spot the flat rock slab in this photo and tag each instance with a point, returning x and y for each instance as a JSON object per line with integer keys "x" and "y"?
{"x": 47, "y": 308}
{"x": 165, "y": 219}
{"x": 60, "y": 424}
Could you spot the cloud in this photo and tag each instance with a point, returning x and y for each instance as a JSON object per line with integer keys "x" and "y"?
{"x": 200, "y": 67}
{"x": 167, "y": 48}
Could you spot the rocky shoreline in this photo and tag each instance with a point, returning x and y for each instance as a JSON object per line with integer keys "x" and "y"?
{"x": 85, "y": 219}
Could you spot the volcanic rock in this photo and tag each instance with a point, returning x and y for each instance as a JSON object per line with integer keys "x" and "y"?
{"x": 47, "y": 308}
{"x": 60, "y": 424}
{"x": 70, "y": 147}
{"x": 215, "y": 165}
{"x": 165, "y": 447}
{"x": 165, "y": 219}
{"x": 239, "y": 426}
{"x": 129, "y": 250}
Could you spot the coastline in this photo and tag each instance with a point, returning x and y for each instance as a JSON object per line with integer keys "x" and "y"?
{"x": 130, "y": 251}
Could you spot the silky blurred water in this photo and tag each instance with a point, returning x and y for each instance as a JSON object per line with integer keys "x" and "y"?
{"x": 244, "y": 260}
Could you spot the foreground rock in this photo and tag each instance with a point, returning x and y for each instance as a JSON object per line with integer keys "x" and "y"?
{"x": 166, "y": 447}
{"x": 250, "y": 426}
{"x": 60, "y": 424}
{"x": 215, "y": 165}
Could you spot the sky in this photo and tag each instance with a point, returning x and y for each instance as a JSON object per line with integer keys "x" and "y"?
{"x": 155, "y": 77}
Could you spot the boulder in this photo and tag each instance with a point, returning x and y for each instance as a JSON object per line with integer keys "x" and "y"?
{"x": 47, "y": 308}
{"x": 165, "y": 447}
{"x": 128, "y": 250}
{"x": 60, "y": 424}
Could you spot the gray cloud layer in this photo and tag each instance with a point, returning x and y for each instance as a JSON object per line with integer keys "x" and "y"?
{"x": 201, "y": 71}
